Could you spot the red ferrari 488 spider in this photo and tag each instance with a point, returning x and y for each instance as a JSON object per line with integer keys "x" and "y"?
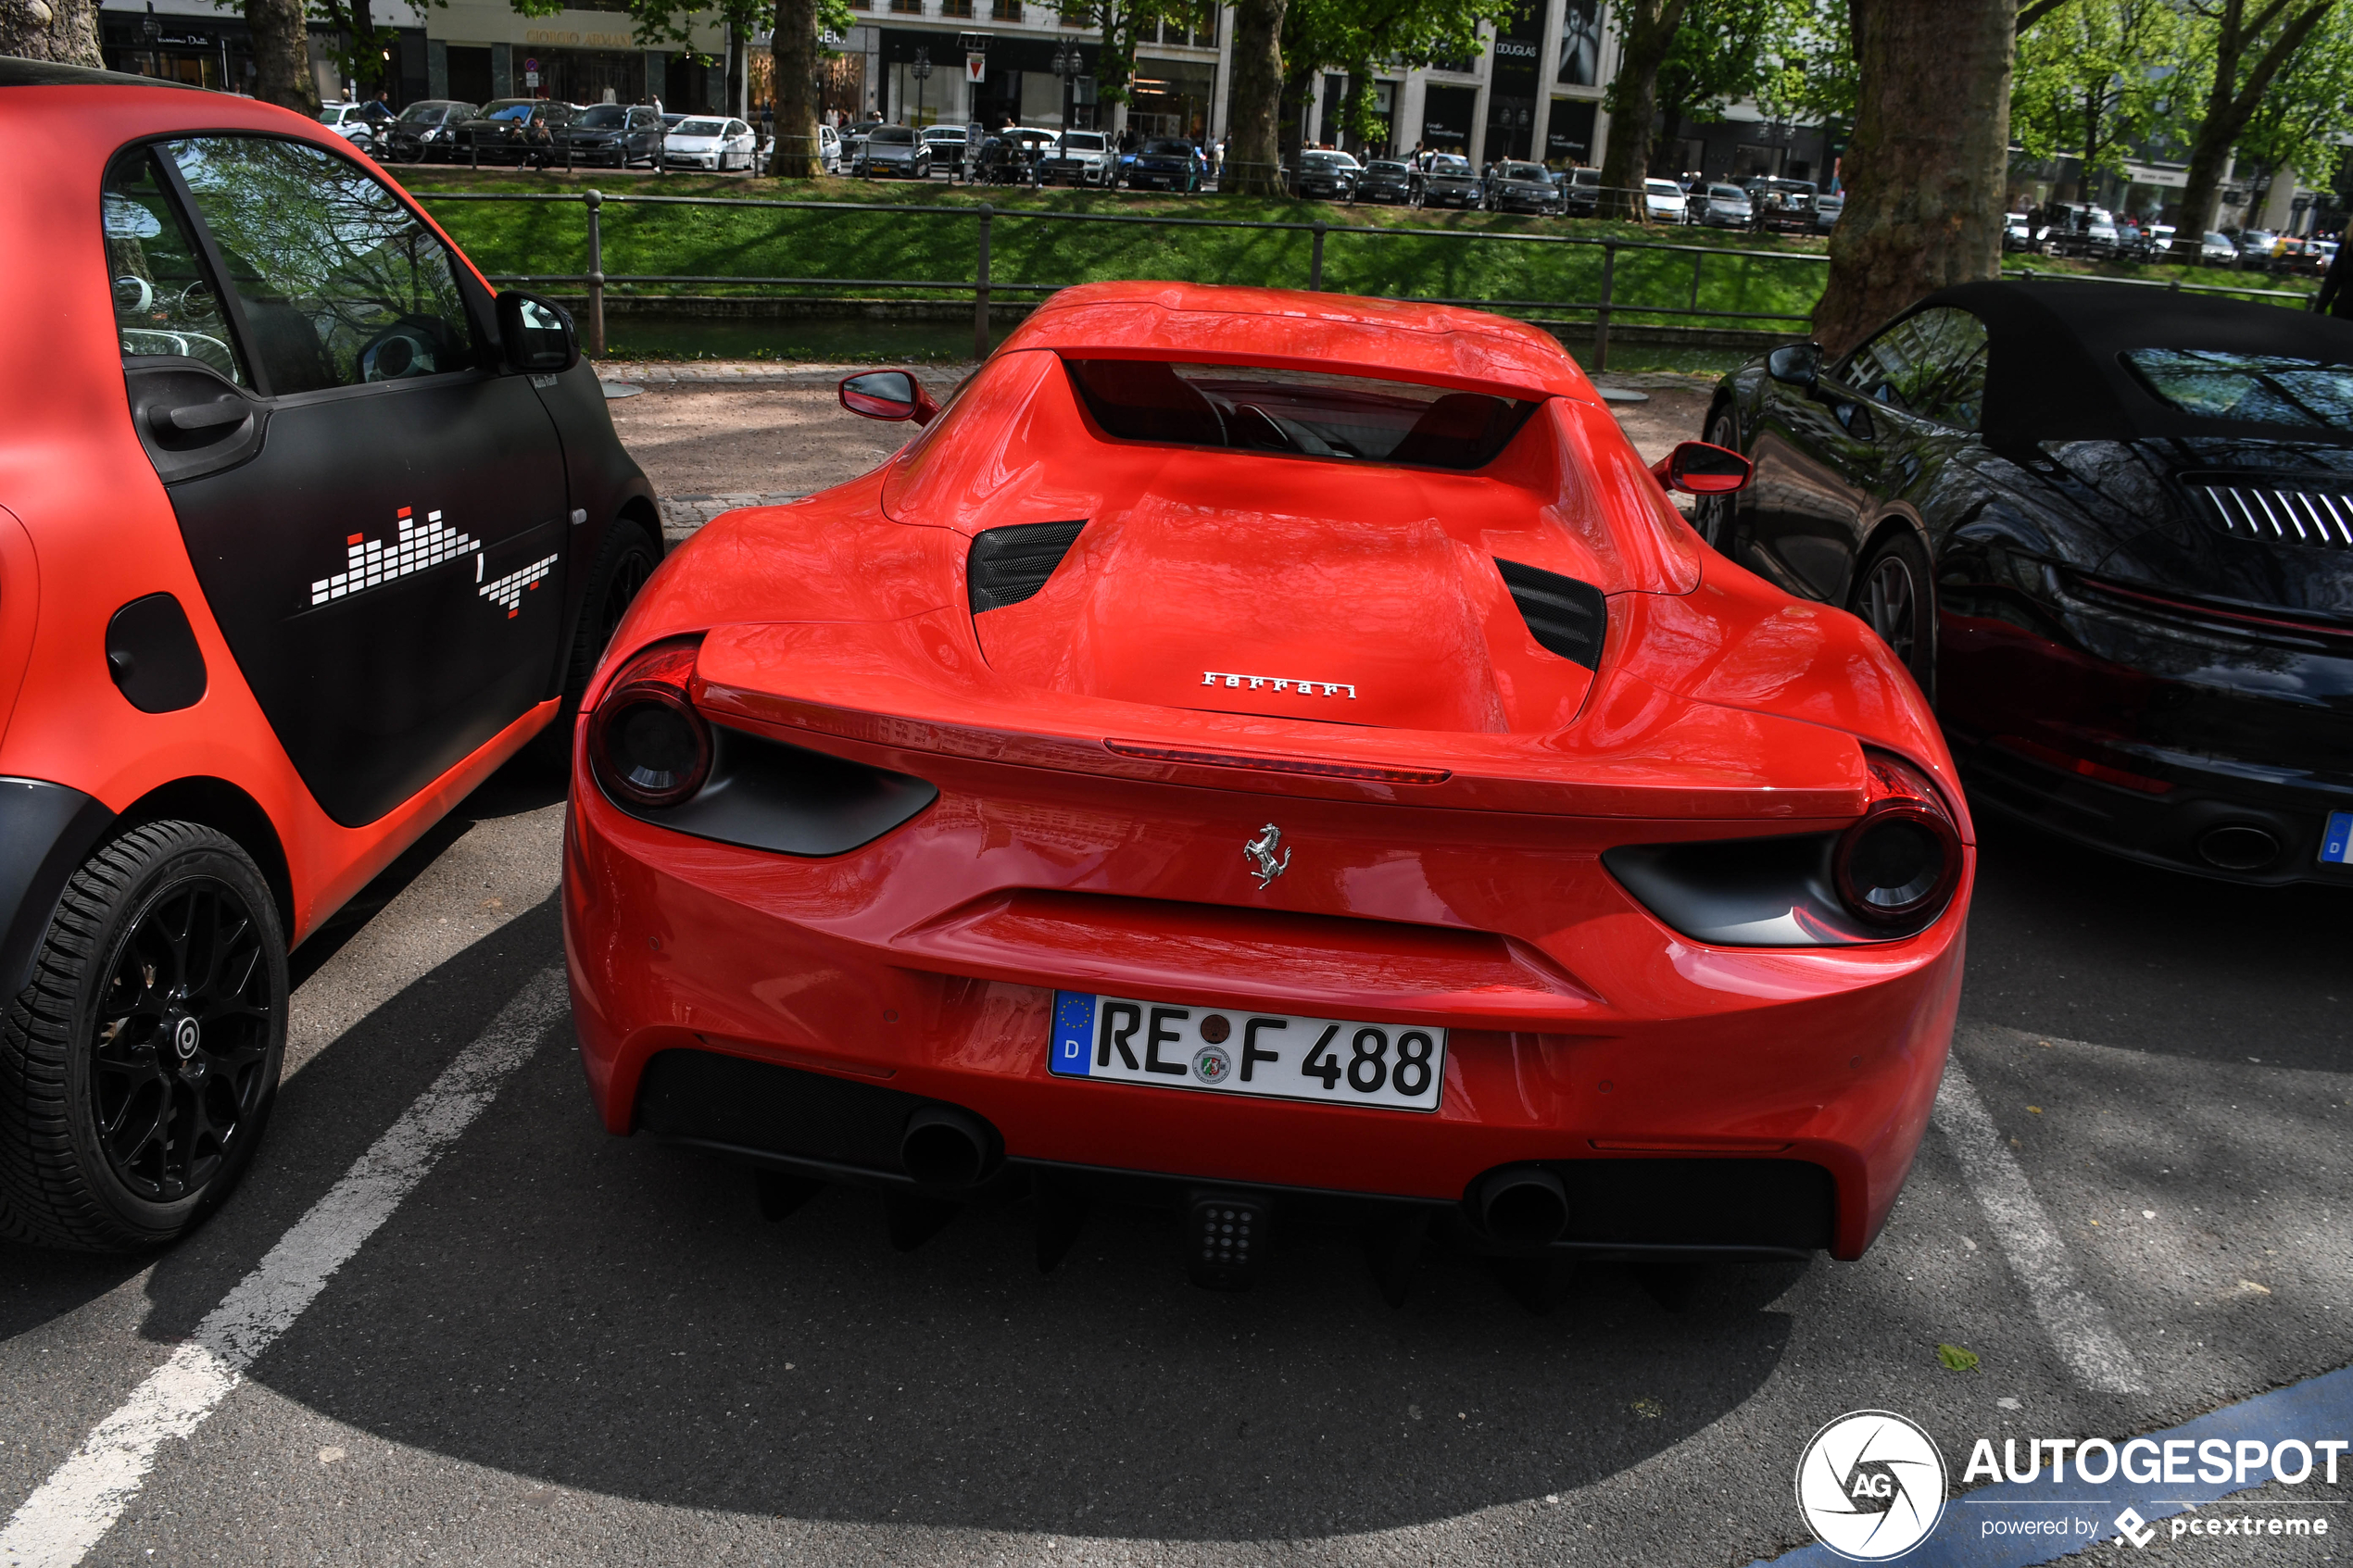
{"x": 1260, "y": 753}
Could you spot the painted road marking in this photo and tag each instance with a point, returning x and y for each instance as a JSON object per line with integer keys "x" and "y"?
{"x": 2317, "y": 1408}
{"x": 2077, "y": 1324}
{"x": 80, "y": 1502}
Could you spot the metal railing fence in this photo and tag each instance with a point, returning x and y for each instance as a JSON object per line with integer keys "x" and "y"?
{"x": 1608, "y": 308}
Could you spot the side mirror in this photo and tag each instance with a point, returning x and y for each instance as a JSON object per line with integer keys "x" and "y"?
{"x": 538, "y": 333}
{"x": 1795, "y": 364}
{"x": 1697, "y": 468}
{"x": 887, "y": 394}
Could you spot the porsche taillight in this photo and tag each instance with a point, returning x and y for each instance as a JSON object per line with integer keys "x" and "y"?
{"x": 647, "y": 744}
{"x": 1900, "y": 862}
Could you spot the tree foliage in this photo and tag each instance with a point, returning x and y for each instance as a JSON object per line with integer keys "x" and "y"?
{"x": 1724, "y": 50}
{"x": 1353, "y": 37}
{"x": 2246, "y": 45}
{"x": 2310, "y": 103}
{"x": 2098, "y": 78}
{"x": 1646, "y": 35}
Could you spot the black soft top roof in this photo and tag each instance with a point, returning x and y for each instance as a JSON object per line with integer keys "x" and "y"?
{"x": 15, "y": 73}
{"x": 2055, "y": 370}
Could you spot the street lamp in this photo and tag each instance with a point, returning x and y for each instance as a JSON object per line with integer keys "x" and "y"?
{"x": 921, "y": 71}
{"x": 1069, "y": 64}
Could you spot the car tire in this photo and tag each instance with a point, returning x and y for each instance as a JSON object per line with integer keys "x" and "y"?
{"x": 1713, "y": 516}
{"x": 626, "y": 559}
{"x": 190, "y": 1066}
{"x": 1894, "y": 594}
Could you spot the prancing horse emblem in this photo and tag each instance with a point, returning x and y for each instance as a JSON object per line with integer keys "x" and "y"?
{"x": 1260, "y": 853}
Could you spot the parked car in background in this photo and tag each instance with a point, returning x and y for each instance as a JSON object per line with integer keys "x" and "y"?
{"x": 1386, "y": 179}
{"x": 828, "y": 149}
{"x": 510, "y": 131}
{"x": 1782, "y": 205}
{"x": 2324, "y": 254}
{"x": 1325, "y": 175}
{"x": 617, "y": 135}
{"x": 1580, "y": 191}
{"x": 1828, "y": 208}
{"x": 2018, "y": 234}
{"x": 893, "y": 149}
{"x": 1450, "y": 180}
{"x": 2217, "y": 250}
{"x": 1662, "y": 202}
{"x": 1524, "y": 187}
{"x": 2157, "y": 238}
{"x": 853, "y": 140}
{"x": 421, "y": 132}
{"x": 709, "y": 142}
{"x": 1166, "y": 163}
{"x": 360, "y": 124}
{"x": 1081, "y": 158}
{"x": 947, "y": 145}
{"x": 1014, "y": 157}
{"x": 2254, "y": 247}
{"x": 1724, "y": 207}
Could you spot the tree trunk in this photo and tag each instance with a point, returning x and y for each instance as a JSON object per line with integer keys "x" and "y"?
{"x": 738, "y": 66}
{"x": 1253, "y": 164}
{"x": 63, "y": 31}
{"x": 2230, "y": 104}
{"x": 793, "y": 51}
{"x": 1646, "y": 31}
{"x": 1926, "y": 170}
{"x": 282, "y": 55}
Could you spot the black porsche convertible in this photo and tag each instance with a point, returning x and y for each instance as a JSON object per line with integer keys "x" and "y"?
{"x": 2110, "y": 530}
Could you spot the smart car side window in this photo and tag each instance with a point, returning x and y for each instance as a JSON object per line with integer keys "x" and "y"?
{"x": 1931, "y": 364}
{"x": 165, "y": 304}
{"x": 339, "y": 284}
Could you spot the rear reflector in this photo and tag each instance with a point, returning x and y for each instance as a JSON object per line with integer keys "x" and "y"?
{"x": 1318, "y": 766}
{"x": 2052, "y": 756}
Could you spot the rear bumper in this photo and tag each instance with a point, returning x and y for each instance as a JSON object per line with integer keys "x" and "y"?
{"x": 899, "y": 968}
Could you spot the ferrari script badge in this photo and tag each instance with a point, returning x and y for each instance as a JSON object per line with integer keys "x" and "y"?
{"x": 1260, "y": 853}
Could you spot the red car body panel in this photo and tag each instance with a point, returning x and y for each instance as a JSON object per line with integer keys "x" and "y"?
{"x": 1095, "y": 788}
{"x": 72, "y": 552}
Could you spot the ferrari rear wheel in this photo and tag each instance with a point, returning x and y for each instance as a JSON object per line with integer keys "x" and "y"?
{"x": 1896, "y": 597}
{"x": 1712, "y": 515}
{"x": 138, "y": 1068}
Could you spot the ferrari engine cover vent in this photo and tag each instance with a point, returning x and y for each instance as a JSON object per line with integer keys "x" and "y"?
{"x": 1008, "y": 565}
{"x": 2251, "y": 507}
{"x": 1564, "y": 616}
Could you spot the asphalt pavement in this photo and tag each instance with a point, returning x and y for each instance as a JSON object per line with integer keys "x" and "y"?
{"x": 549, "y": 1344}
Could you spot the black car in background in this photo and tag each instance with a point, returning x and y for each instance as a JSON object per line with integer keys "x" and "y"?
{"x": 2111, "y": 535}
{"x": 619, "y": 135}
{"x": 512, "y": 130}
{"x": 1524, "y": 187}
{"x": 1166, "y": 163}
{"x": 1386, "y": 179}
{"x": 1581, "y": 191}
{"x": 424, "y": 130}
{"x": 1782, "y": 205}
{"x": 1450, "y": 180}
{"x": 1325, "y": 176}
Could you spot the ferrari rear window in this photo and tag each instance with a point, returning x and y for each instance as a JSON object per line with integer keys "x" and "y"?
{"x": 2267, "y": 389}
{"x": 1304, "y": 413}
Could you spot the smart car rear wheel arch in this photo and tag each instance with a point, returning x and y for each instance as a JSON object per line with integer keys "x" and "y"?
{"x": 138, "y": 1068}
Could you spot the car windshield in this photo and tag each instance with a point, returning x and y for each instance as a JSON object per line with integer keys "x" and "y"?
{"x": 1082, "y": 140}
{"x": 1447, "y": 163}
{"x": 1727, "y": 194}
{"x": 333, "y": 113}
{"x": 1168, "y": 149}
{"x": 2247, "y": 388}
{"x": 1523, "y": 171}
{"x": 1320, "y": 160}
{"x": 1305, "y": 413}
{"x": 893, "y": 136}
{"x": 604, "y": 117}
{"x": 2256, "y": 237}
{"x": 1664, "y": 188}
{"x": 433, "y": 112}
{"x": 702, "y": 128}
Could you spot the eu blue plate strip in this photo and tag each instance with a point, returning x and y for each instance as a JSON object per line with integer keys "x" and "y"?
{"x": 2336, "y": 843}
{"x": 1073, "y": 1034}
{"x": 2317, "y": 1408}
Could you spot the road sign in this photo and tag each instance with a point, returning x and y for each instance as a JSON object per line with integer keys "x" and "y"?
{"x": 975, "y": 67}
{"x": 531, "y": 65}
{"x": 531, "y": 79}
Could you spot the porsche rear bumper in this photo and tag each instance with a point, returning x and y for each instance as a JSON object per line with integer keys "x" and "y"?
{"x": 923, "y": 966}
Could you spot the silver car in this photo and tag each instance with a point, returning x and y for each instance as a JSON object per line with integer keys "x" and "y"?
{"x": 1724, "y": 207}
{"x": 1827, "y": 208}
{"x": 894, "y": 149}
{"x": 356, "y": 123}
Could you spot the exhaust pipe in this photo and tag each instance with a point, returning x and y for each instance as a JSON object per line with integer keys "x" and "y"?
{"x": 1525, "y": 1204}
{"x": 945, "y": 1146}
{"x": 2238, "y": 846}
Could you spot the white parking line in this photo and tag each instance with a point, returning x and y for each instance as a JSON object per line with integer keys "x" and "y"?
{"x": 80, "y": 1502}
{"x": 2077, "y": 1324}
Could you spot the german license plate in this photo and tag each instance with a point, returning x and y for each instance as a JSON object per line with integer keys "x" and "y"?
{"x": 2336, "y": 840}
{"x": 1236, "y": 1051}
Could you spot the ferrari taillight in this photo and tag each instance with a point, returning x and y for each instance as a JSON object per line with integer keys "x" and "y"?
{"x": 647, "y": 744}
{"x": 1899, "y": 864}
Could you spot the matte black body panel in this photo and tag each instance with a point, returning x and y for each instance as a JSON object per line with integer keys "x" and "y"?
{"x": 409, "y": 662}
{"x": 602, "y": 481}
{"x": 46, "y": 831}
{"x": 153, "y": 656}
{"x": 766, "y": 794}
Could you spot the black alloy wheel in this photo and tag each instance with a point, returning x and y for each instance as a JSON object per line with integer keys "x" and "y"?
{"x": 1896, "y": 597}
{"x": 1712, "y": 515}
{"x": 139, "y": 1067}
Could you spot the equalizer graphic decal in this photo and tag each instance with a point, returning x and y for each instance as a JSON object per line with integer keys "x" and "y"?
{"x": 374, "y": 563}
{"x": 508, "y": 590}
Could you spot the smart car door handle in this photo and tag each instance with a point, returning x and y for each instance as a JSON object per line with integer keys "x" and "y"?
{"x": 192, "y": 417}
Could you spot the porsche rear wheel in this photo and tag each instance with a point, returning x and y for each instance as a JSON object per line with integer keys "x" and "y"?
{"x": 1712, "y": 515}
{"x": 138, "y": 1068}
{"x": 1896, "y": 597}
